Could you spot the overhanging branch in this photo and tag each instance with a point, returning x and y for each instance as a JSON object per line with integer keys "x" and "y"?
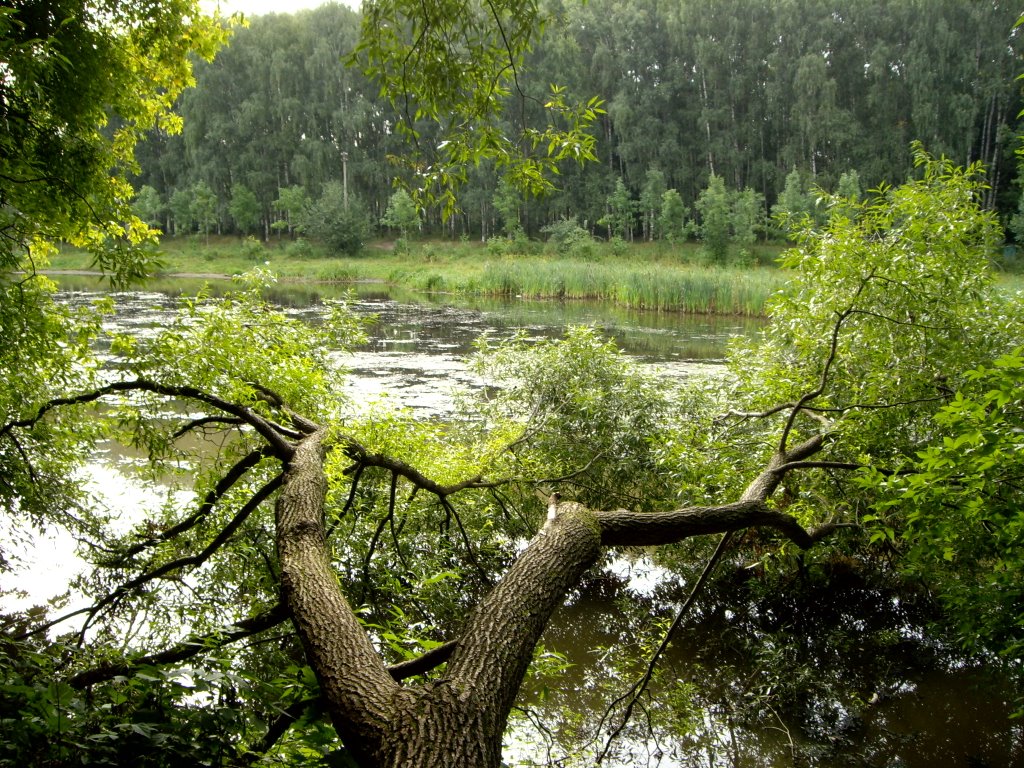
{"x": 270, "y": 432}
{"x": 623, "y": 527}
{"x": 232, "y": 476}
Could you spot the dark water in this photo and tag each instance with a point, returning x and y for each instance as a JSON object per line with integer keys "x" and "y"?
{"x": 771, "y": 678}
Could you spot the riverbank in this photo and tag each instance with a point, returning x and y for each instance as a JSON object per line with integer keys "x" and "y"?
{"x": 642, "y": 276}
{"x": 647, "y": 276}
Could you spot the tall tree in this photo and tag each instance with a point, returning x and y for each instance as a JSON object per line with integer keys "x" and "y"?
{"x": 650, "y": 201}
{"x": 337, "y": 220}
{"x": 793, "y": 204}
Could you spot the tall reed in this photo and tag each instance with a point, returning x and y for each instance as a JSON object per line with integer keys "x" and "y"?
{"x": 679, "y": 288}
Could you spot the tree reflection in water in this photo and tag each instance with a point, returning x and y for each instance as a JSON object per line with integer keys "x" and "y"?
{"x": 824, "y": 664}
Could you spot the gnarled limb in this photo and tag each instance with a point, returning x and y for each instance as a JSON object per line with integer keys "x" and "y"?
{"x": 622, "y": 527}
{"x": 270, "y": 432}
{"x": 363, "y": 459}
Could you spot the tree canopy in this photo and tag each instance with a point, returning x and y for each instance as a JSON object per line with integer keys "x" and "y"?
{"x": 83, "y": 82}
{"x": 749, "y": 92}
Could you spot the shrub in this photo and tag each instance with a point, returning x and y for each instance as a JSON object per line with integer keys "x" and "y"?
{"x": 343, "y": 229}
{"x": 568, "y": 238}
{"x": 300, "y": 249}
{"x": 253, "y": 249}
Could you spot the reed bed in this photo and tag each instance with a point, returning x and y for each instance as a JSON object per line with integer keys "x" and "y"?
{"x": 632, "y": 280}
{"x": 660, "y": 287}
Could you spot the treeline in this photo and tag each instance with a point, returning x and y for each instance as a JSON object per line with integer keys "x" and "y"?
{"x": 716, "y": 114}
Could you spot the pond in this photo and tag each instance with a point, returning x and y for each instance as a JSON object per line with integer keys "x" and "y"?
{"x": 768, "y": 682}
{"x": 418, "y": 345}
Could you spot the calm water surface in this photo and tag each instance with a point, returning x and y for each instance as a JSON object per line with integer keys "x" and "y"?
{"x": 417, "y": 349}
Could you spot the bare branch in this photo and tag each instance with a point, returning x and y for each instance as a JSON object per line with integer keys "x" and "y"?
{"x": 910, "y": 323}
{"x": 268, "y": 431}
{"x": 465, "y": 540}
{"x": 844, "y": 465}
{"x": 304, "y": 425}
{"x": 637, "y": 689}
{"x": 758, "y": 414}
{"x": 876, "y": 406}
{"x": 24, "y": 457}
{"x": 572, "y": 475}
{"x": 372, "y": 549}
{"x": 229, "y": 479}
{"x": 422, "y": 664}
{"x": 822, "y": 382}
{"x": 277, "y": 728}
{"x": 200, "y": 423}
{"x": 359, "y": 454}
{"x": 175, "y": 565}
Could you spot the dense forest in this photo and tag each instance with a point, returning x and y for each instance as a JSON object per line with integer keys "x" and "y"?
{"x": 757, "y": 94}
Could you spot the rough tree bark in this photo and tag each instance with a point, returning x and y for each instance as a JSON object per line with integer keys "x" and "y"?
{"x": 459, "y": 719}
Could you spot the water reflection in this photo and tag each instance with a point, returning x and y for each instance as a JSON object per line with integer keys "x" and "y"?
{"x": 833, "y": 670}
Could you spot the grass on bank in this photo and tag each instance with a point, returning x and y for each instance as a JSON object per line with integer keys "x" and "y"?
{"x": 648, "y": 276}
{"x": 642, "y": 276}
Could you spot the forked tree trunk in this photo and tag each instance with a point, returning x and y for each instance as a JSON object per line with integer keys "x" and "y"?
{"x": 459, "y": 719}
